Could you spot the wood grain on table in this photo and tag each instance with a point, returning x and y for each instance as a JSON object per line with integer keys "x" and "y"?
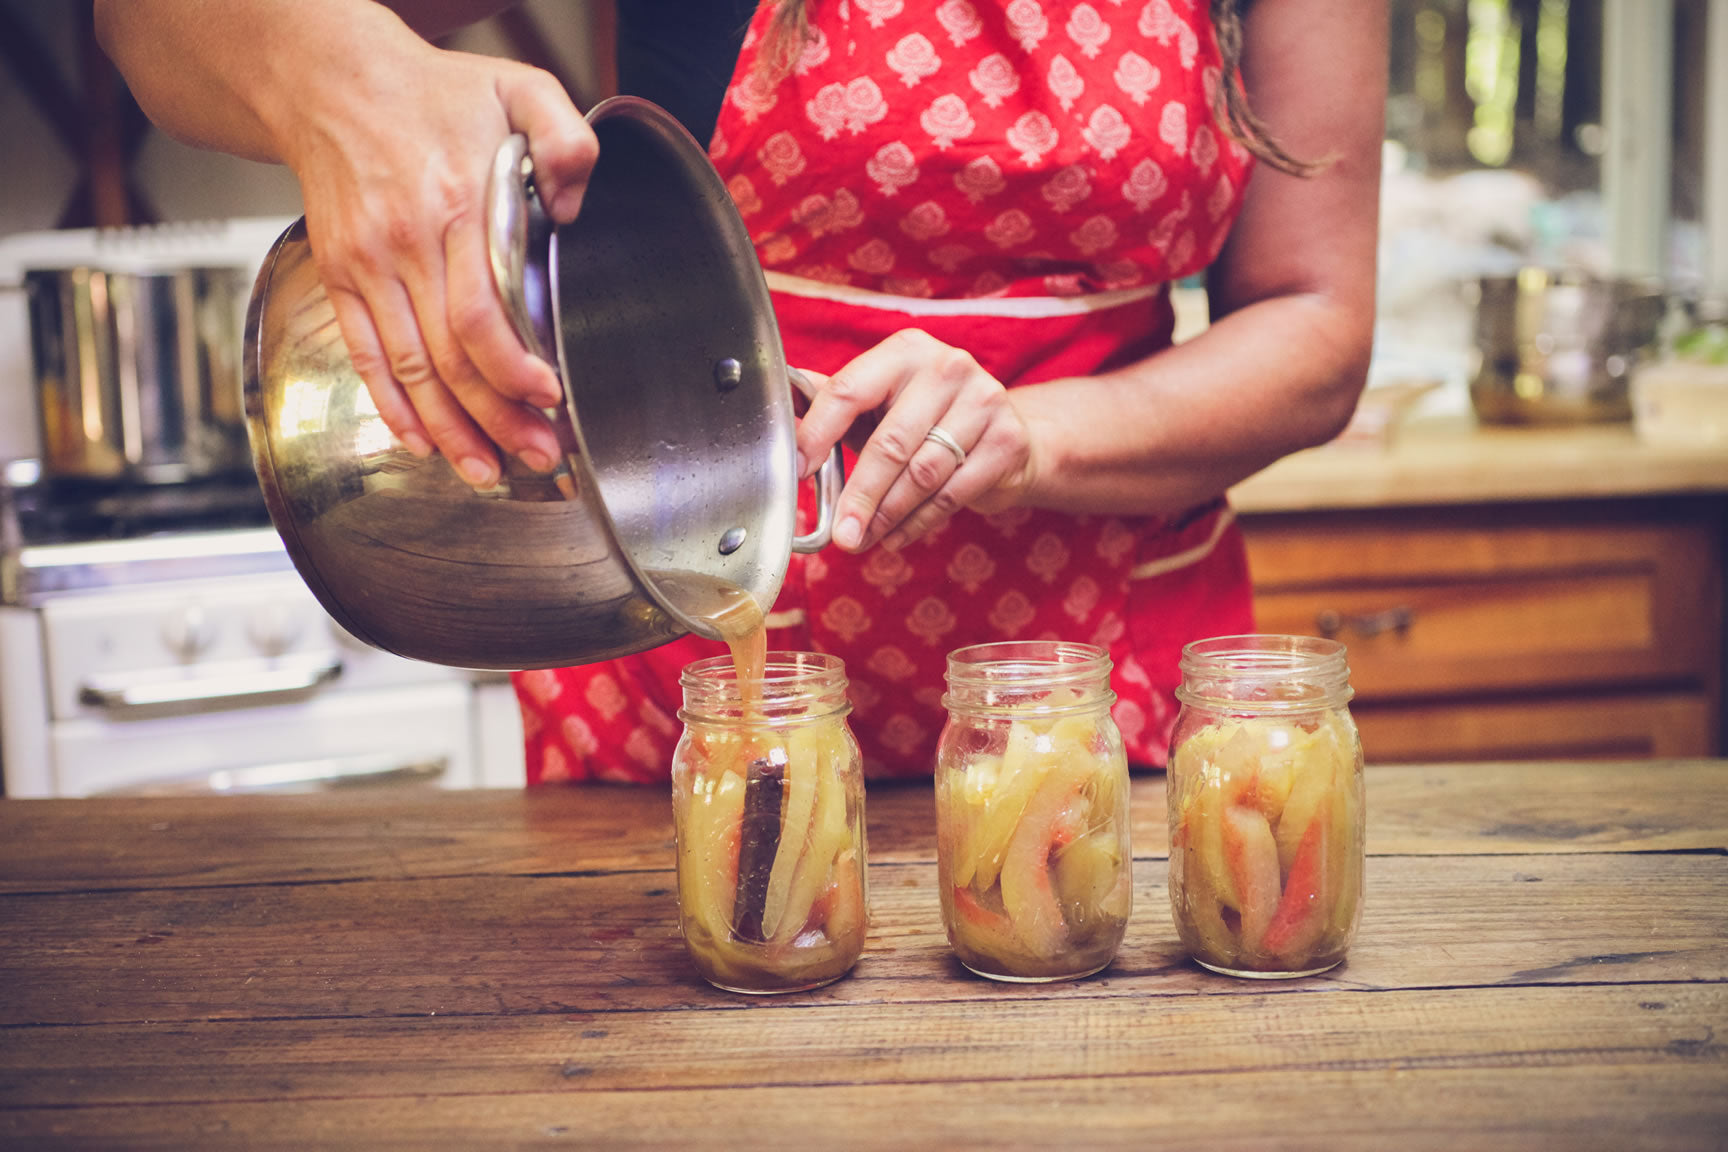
{"x": 1543, "y": 963}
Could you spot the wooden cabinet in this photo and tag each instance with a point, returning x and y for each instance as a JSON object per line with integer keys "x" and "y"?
{"x": 1515, "y": 631}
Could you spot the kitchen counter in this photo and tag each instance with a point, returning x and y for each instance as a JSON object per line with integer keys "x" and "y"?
{"x": 1506, "y": 593}
{"x": 1450, "y": 460}
{"x": 1543, "y": 963}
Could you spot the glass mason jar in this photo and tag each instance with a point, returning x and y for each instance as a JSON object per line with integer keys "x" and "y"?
{"x": 1266, "y": 806}
{"x": 768, "y": 805}
{"x": 1032, "y": 851}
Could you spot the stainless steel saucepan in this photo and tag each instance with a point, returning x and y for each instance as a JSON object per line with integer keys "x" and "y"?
{"x": 137, "y": 372}
{"x": 1558, "y": 347}
{"x": 677, "y": 426}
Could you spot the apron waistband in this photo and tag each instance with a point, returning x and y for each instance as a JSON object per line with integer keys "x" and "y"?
{"x": 1007, "y": 307}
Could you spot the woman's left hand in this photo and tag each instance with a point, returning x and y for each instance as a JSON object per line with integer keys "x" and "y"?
{"x": 938, "y": 434}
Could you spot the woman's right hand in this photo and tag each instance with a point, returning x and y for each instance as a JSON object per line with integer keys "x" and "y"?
{"x": 393, "y": 169}
{"x": 392, "y": 140}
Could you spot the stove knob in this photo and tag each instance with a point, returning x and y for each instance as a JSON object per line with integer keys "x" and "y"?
{"x": 274, "y": 629}
{"x": 188, "y": 633}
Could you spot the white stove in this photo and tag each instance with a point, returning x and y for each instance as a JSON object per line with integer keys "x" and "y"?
{"x": 156, "y": 638}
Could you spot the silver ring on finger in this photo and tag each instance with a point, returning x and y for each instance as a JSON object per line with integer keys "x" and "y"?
{"x": 942, "y": 436}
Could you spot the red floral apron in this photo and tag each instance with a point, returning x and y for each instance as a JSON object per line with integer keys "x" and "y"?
{"x": 1021, "y": 180}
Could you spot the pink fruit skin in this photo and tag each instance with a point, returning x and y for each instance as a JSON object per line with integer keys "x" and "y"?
{"x": 1301, "y": 913}
{"x": 1251, "y": 854}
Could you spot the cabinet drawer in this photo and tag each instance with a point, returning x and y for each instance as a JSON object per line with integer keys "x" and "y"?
{"x": 1467, "y": 602}
{"x": 1630, "y": 727}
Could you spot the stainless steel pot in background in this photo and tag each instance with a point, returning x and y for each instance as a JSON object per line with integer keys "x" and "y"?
{"x": 1559, "y": 347}
{"x": 138, "y": 372}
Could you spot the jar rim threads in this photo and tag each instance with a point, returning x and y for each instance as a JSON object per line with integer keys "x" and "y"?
{"x": 1028, "y": 677}
{"x": 1271, "y": 672}
{"x": 793, "y": 686}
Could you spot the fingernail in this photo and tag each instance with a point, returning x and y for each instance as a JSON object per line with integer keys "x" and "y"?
{"x": 848, "y": 533}
{"x": 479, "y": 473}
{"x": 549, "y": 392}
{"x": 803, "y": 466}
{"x": 535, "y": 459}
{"x": 417, "y": 444}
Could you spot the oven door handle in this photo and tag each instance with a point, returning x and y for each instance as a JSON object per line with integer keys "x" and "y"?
{"x": 301, "y": 776}
{"x": 232, "y": 686}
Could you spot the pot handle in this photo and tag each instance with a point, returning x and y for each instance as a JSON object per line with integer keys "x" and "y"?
{"x": 518, "y": 240}
{"x": 830, "y": 479}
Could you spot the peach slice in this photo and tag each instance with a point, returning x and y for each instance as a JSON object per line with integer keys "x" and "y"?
{"x": 1252, "y": 856}
{"x": 1203, "y": 825}
{"x": 709, "y": 880}
{"x": 1309, "y": 891}
{"x": 1027, "y": 892}
{"x": 1346, "y": 853}
{"x": 1316, "y": 768}
{"x": 802, "y": 769}
{"x": 1087, "y": 871}
{"x": 842, "y": 905}
{"x": 824, "y": 746}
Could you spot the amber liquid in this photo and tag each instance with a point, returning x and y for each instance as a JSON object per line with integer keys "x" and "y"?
{"x": 771, "y": 889}
{"x": 734, "y": 615}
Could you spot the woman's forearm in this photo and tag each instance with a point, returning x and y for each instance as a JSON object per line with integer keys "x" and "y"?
{"x": 1292, "y": 296}
{"x": 216, "y": 73}
{"x": 1181, "y": 427}
{"x": 243, "y": 76}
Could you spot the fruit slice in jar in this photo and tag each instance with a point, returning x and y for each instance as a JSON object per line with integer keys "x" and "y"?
{"x": 995, "y": 793}
{"x": 711, "y": 850}
{"x": 823, "y": 747}
{"x": 1089, "y": 873}
{"x": 1028, "y": 895}
{"x": 792, "y": 836}
{"x": 1252, "y": 857}
{"x": 984, "y": 935}
{"x": 1345, "y": 846}
{"x": 1315, "y": 761}
{"x": 1203, "y": 829}
{"x": 1308, "y": 893}
{"x": 843, "y": 901}
{"x": 1245, "y": 771}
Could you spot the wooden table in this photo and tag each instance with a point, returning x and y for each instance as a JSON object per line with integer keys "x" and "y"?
{"x": 1541, "y": 965}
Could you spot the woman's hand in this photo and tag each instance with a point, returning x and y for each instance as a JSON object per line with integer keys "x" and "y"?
{"x": 392, "y": 141}
{"x": 395, "y": 197}
{"x": 907, "y": 480}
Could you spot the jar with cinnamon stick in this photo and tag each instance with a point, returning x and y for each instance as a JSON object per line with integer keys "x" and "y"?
{"x": 768, "y": 801}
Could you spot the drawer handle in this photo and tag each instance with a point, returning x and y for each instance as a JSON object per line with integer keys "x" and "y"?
{"x": 234, "y": 687}
{"x": 301, "y": 776}
{"x": 1334, "y": 624}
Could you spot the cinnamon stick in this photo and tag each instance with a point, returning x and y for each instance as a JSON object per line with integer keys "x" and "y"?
{"x": 758, "y": 843}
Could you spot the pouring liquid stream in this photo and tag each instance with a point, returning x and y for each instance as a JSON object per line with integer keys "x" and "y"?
{"x": 735, "y": 616}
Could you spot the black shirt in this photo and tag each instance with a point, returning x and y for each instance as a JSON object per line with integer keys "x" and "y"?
{"x": 680, "y": 54}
